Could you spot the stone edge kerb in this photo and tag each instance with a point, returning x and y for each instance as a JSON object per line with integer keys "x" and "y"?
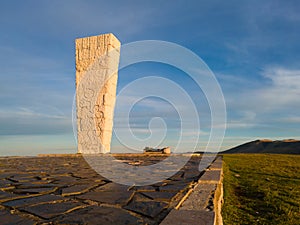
{"x": 213, "y": 176}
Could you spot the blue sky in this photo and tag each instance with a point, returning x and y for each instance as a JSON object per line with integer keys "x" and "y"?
{"x": 252, "y": 47}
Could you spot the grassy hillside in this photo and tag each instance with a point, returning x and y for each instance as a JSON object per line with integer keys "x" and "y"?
{"x": 261, "y": 189}
{"x": 268, "y": 146}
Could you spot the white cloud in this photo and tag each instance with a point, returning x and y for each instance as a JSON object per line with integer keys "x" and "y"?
{"x": 283, "y": 91}
{"x": 22, "y": 112}
{"x": 283, "y": 77}
{"x": 291, "y": 119}
{"x": 273, "y": 103}
{"x": 278, "y": 91}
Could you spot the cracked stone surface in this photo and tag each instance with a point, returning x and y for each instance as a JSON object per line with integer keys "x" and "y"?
{"x": 65, "y": 190}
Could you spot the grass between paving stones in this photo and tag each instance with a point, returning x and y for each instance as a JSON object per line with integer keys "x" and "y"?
{"x": 261, "y": 189}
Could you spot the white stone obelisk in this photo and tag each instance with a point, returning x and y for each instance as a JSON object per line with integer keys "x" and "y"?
{"x": 95, "y": 64}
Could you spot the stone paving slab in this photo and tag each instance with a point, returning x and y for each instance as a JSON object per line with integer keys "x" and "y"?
{"x": 4, "y": 196}
{"x": 213, "y": 173}
{"x": 159, "y": 195}
{"x": 189, "y": 217}
{"x": 147, "y": 208}
{"x": 217, "y": 164}
{"x": 32, "y": 200}
{"x": 100, "y": 215}
{"x": 200, "y": 197}
{"x": 211, "y": 176}
{"x": 9, "y": 218}
{"x": 65, "y": 190}
{"x": 50, "y": 210}
{"x": 109, "y": 197}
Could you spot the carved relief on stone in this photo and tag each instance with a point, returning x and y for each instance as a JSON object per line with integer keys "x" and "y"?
{"x": 97, "y": 60}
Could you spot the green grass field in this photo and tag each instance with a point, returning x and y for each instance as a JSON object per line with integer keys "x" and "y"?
{"x": 261, "y": 189}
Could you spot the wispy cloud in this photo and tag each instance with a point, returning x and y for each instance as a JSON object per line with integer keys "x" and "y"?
{"x": 269, "y": 105}
{"x": 26, "y": 121}
{"x": 291, "y": 119}
{"x": 283, "y": 90}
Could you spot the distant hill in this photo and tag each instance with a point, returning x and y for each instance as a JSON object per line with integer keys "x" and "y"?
{"x": 289, "y": 146}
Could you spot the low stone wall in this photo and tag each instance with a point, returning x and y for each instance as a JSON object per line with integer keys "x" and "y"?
{"x": 202, "y": 204}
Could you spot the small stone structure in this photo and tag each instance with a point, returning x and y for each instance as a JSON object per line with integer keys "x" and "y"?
{"x": 95, "y": 119}
{"x": 166, "y": 150}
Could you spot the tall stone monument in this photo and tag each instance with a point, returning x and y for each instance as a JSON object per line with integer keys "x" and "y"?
{"x": 97, "y": 60}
